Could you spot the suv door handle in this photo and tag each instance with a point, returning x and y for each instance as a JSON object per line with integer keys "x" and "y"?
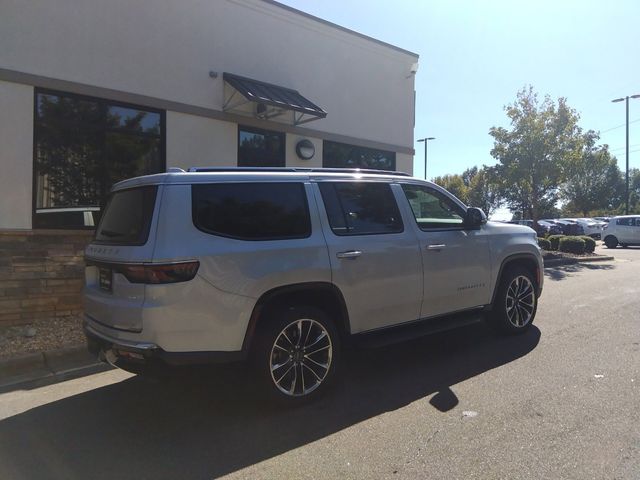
{"x": 349, "y": 254}
{"x": 436, "y": 247}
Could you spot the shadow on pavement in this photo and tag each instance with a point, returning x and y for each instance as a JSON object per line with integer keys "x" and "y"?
{"x": 561, "y": 272}
{"x": 210, "y": 422}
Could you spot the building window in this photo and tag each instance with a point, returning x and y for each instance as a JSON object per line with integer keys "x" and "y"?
{"x": 260, "y": 148}
{"x": 83, "y": 146}
{"x": 342, "y": 155}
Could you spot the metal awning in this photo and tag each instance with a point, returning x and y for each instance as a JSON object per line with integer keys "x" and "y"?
{"x": 267, "y": 101}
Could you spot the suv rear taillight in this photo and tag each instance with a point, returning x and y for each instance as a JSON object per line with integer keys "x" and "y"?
{"x": 158, "y": 273}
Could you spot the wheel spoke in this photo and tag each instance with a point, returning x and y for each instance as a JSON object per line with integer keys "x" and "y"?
{"x": 318, "y": 350}
{"x": 295, "y": 379}
{"x": 322, "y": 335}
{"x": 312, "y": 371}
{"x": 284, "y": 374}
{"x": 299, "y": 332}
{"x": 275, "y": 345}
{"x": 321, "y": 365}
{"x": 280, "y": 365}
{"x": 284, "y": 334}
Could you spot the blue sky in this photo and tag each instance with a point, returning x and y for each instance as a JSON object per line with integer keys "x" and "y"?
{"x": 476, "y": 55}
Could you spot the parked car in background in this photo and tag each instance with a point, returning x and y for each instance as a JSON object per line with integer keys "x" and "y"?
{"x": 540, "y": 229}
{"x": 569, "y": 226}
{"x": 281, "y": 267}
{"x": 549, "y": 227}
{"x": 602, "y": 219}
{"x": 591, "y": 227}
{"x": 623, "y": 230}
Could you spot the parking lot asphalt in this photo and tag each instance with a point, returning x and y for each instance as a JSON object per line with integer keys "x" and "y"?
{"x": 558, "y": 402}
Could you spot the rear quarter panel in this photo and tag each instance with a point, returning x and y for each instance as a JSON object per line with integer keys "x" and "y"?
{"x": 212, "y": 311}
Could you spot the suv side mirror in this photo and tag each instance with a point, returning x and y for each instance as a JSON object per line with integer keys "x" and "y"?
{"x": 474, "y": 217}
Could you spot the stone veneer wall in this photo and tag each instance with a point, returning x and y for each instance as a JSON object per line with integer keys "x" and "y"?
{"x": 41, "y": 274}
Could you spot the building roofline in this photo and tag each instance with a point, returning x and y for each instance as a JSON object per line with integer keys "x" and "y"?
{"x": 339, "y": 27}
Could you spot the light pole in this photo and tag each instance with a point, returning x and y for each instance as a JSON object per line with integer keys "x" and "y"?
{"x": 425, "y": 140}
{"x": 626, "y": 191}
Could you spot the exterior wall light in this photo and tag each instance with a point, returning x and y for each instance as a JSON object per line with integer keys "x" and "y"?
{"x": 305, "y": 149}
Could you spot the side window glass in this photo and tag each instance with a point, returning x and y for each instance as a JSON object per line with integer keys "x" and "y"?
{"x": 251, "y": 211}
{"x": 361, "y": 208}
{"x": 637, "y": 219}
{"x": 432, "y": 209}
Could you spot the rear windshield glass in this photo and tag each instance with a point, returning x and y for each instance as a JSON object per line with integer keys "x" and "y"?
{"x": 252, "y": 211}
{"x": 127, "y": 217}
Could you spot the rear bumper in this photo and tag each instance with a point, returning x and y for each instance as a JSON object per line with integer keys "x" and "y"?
{"x": 119, "y": 352}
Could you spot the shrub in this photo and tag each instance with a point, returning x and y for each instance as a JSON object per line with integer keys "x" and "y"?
{"x": 572, "y": 244}
{"x": 589, "y": 243}
{"x": 544, "y": 244}
{"x": 555, "y": 241}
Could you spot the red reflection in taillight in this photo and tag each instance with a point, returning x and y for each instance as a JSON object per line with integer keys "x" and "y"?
{"x": 161, "y": 273}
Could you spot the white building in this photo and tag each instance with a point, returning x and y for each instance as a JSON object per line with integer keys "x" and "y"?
{"x": 92, "y": 92}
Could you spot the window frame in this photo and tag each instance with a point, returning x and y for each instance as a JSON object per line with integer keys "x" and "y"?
{"x": 442, "y": 195}
{"x": 261, "y": 131}
{"x": 358, "y": 234}
{"x": 102, "y": 101}
{"x": 302, "y": 186}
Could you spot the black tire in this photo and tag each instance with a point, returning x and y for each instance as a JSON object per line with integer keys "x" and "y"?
{"x": 296, "y": 355}
{"x": 516, "y": 302}
{"x": 611, "y": 241}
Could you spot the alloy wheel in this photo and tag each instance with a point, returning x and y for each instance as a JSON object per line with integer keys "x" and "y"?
{"x": 301, "y": 357}
{"x": 520, "y": 301}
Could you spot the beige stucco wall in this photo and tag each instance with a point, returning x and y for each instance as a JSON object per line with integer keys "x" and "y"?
{"x": 165, "y": 49}
{"x": 404, "y": 163}
{"x": 16, "y": 155}
{"x": 194, "y": 141}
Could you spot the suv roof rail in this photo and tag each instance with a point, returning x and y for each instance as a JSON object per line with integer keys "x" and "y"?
{"x": 299, "y": 170}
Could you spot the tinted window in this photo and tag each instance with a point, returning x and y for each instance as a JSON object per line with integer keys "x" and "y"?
{"x": 431, "y": 208}
{"x": 625, "y": 221}
{"x": 127, "y": 217}
{"x": 361, "y": 208}
{"x": 342, "y": 155}
{"x": 252, "y": 211}
{"x": 260, "y": 148}
{"x": 82, "y": 147}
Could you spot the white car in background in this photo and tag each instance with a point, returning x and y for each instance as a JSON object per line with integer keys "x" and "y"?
{"x": 623, "y": 230}
{"x": 591, "y": 227}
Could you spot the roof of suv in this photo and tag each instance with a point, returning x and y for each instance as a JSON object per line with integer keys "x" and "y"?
{"x": 201, "y": 175}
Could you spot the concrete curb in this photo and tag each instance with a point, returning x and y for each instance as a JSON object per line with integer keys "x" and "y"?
{"x": 556, "y": 262}
{"x": 43, "y": 368}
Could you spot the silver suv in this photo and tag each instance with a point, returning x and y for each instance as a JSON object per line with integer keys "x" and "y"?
{"x": 283, "y": 266}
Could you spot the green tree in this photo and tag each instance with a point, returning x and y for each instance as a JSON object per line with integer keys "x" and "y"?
{"x": 453, "y": 183}
{"x": 533, "y": 154}
{"x": 593, "y": 180}
{"x": 475, "y": 187}
{"x": 483, "y": 188}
